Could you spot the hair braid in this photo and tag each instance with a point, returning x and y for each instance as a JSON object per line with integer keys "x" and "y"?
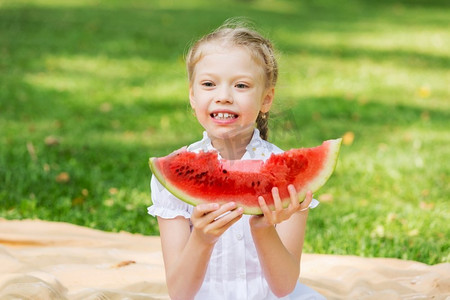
{"x": 262, "y": 123}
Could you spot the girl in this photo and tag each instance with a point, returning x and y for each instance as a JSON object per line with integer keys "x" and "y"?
{"x": 214, "y": 251}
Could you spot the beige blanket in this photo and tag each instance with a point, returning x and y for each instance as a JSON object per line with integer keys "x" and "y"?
{"x": 49, "y": 260}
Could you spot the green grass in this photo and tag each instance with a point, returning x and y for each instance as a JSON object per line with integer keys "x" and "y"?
{"x": 106, "y": 80}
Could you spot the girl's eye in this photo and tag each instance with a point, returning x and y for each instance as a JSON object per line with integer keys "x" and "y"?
{"x": 208, "y": 84}
{"x": 241, "y": 86}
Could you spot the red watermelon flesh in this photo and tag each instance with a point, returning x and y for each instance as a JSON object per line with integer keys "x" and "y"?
{"x": 204, "y": 178}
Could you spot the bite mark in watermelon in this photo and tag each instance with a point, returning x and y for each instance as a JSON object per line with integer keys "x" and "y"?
{"x": 203, "y": 178}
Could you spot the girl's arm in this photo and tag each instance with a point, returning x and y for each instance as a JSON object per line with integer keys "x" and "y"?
{"x": 186, "y": 254}
{"x": 280, "y": 248}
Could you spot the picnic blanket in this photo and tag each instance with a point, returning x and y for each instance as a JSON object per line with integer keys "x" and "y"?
{"x": 54, "y": 260}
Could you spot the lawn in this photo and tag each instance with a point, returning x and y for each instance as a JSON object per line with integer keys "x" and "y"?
{"x": 89, "y": 90}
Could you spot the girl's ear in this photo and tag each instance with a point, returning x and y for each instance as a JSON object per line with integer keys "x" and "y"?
{"x": 191, "y": 97}
{"x": 268, "y": 99}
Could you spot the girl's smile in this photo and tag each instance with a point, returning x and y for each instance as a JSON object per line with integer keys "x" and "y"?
{"x": 224, "y": 116}
{"x": 228, "y": 91}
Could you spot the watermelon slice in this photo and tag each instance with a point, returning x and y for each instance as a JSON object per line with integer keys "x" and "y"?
{"x": 203, "y": 178}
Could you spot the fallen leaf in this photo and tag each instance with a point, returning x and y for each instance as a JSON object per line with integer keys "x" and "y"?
{"x": 46, "y": 168}
{"x": 363, "y": 100}
{"x": 377, "y": 232}
{"x": 391, "y": 217}
{"x": 124, "y": 263}
{"x": 63, "y": 177}
{"x": 115, "y": 124}
{"x": 424, "y": 91}
{"x": 77, "y": 201}
{"x": 413, "y": 232}
{"x": 288, "y": 125}
{"x": 31, "y": 151}
{"x": 326, "y": 198}
{"x": 108, "y": 202}
{"x": 51, "y": 141}
{"x": 105, "y": 107}
{"x": 165, "y": 122}
{"x": 425, "y": 115}
{"x": 113, "y": 191}
{"x": 363, "y": 202}
{"x": 382, "y": 147}
{"x": 426, "y": 205}
{"x": 58, "y": 124}
{"x": 349, "y": 96}
{"x": 348, "y": 138}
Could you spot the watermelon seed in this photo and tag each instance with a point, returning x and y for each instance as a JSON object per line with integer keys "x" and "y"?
{"x": 224, "y": 171}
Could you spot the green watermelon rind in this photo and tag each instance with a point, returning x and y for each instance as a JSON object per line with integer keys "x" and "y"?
{"x": 327, "y": 171}
{"x": 313, "y": 186}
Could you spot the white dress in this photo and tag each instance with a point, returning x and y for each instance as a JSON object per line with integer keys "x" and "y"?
{"x": 234, "y": 271}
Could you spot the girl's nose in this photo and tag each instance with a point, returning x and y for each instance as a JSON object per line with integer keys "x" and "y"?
{"x": 224, "y": 96}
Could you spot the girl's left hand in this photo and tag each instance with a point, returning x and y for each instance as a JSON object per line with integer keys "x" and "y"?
{"x": 280, "y": 214}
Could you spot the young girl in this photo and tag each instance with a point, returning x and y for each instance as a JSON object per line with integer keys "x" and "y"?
{"x": 213, "y": 251}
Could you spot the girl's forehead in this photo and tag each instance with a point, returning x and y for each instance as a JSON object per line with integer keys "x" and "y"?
{"x": 220, "y": 48}
{"x": 223, "y": 48}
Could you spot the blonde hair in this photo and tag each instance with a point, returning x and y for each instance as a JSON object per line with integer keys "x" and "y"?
{"x": 233, "y": 33}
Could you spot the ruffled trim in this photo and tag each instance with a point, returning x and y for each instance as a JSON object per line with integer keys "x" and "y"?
{"x": 314, "y": 203}
{"x": 166, "y": 212}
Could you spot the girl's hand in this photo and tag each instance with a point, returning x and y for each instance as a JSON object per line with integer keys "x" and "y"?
{"x": 280, "y": 214}
{"x": 211, "y": 220}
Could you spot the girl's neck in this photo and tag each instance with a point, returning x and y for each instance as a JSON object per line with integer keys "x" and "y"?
{"x": 232, "y": 148}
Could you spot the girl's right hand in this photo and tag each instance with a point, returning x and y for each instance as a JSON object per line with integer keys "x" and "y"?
{"x": 210, "y": 221}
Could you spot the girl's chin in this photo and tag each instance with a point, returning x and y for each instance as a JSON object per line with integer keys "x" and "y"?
{"x": 228, "y": 133}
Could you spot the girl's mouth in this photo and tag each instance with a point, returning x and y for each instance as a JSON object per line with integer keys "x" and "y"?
{"x": 223, "y": 115}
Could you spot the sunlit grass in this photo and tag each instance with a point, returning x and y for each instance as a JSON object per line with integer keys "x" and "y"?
{"x": 89, "y": 90}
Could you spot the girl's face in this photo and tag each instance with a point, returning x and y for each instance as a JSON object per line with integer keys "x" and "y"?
{"x": 228, "y": 91}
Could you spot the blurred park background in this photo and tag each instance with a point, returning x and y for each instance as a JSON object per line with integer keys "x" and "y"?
{"x": 89, "y": 90}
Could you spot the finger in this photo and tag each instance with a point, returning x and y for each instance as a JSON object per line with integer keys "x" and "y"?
{"x": 294, "y": 197}
{"x": 235, "y": 219}
{"x": 264, "y": 208}
{"x": 276, "y": 199}
{"x": 224, "y": 209}
{"x": 219, "y": 230}
{"x": 203, "y": 209}
{"x": 305, "y": 204}
{"x": 227, "y": 220}
{"x": 308, "y": 198}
